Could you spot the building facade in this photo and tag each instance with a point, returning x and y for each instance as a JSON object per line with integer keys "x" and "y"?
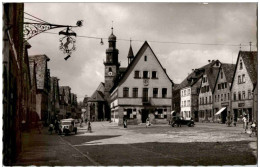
{"x": 244, "y": 80}
{"x": 206, "y": 112}
{"x": 176, "y": 99}
{"x": 43, "y": 88}
{"x": 221, "y": 93}
{"x": 143, "y": 91}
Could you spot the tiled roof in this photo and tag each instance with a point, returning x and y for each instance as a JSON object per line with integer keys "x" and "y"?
{"x": 250, "y": 61}
{"x": 133, "y": 62}
{"x": 41, "y": 69}
{"x": 196, "y": 74}
{"x": 228, "y": 71}
{"x": 97, "y": 96}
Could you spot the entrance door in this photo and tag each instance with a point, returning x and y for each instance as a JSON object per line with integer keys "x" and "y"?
{"x": 145, "y": 94}
{"x": 196, "y": 116}
{"x": 224, "y": 116}
{"x": 235, "y": 115}
{"x": 100, "y": 111}
{"x": 250, "y": 114}
{"x": 145, "y": 114}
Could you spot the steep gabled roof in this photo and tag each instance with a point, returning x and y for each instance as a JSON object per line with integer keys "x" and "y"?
{"x": 133, "y": 63}
{"x": 250, "y": 61}
{"x": 228, "y": 72}
{"x": 130, "y": 53}
{"x": 212, "y": 76}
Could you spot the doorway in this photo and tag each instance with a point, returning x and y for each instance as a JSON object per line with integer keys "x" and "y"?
{"x": 196, "y": 116}
{"x": 224, "y": 116}
{"x": 145, "y": 114}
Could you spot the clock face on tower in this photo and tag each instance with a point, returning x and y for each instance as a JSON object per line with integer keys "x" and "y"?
{"x": 110, "y": 73}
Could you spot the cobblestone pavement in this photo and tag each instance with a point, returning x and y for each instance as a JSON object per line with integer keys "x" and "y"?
{"x": 109, "y": 144}
{"x": 202, "y": 132}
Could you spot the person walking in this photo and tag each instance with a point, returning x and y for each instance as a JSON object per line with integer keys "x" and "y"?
{"x": 89, "y": 127}
{"x": 147, "y": 122}
{"x": 125, "y": 123}
{"x": 253, "y": 129}
{"x": 244, "y": 119}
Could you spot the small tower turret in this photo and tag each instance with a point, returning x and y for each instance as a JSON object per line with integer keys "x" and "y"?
{"x": 130, "y": 54}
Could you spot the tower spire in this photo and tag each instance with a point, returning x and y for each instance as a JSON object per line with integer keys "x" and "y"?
{"x": 112, "y": 27}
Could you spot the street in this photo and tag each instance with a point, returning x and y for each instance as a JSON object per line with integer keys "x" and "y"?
{"x": 108, "y": 144}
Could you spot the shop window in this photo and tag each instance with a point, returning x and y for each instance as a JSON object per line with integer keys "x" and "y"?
{"x": 125, "y": 92}
{"x": 155, "y": 92}
{"x": 160, "y": 113}
{"x": 135, "y": 92}
{"x": 130, "y": 113}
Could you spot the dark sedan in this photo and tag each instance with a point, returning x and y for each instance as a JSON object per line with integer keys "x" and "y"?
{"x": 179, "y": 120}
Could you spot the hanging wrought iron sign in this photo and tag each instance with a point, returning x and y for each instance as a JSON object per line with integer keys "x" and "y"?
{"x": 67, "y": 42}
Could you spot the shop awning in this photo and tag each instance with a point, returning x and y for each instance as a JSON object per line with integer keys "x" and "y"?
{"x": 221, "y": 110}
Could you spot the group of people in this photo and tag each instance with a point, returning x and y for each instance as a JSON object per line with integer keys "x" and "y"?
{"x": 253, "y": 126}
{"x": 54, "y": 126}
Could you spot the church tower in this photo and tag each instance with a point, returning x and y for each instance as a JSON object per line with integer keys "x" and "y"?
{"x": 111, "y": 65}
{"x": 130, "y": 56}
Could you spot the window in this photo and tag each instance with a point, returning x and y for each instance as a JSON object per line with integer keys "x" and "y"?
{"x": 185, "y": 103}
{"x": 221, "y": 97}
{"x": 218, "y": 98}
{"x": 188, "y": 103}
{"x": 209, "y": 99}
{"x": 221, "y": 75}
{"x": 239, "y": 95}
{"x": 109, "y": 69}
{"x": 155, "y": 92}
{"x": 243, "y": 78}
{"x": 182, "y": 103}
{"x": 200, "y": 100}
{"x": 240, "y": 65}
{"x": 137, "y": 74}
{"x": 243, "y": 95}
{"x": 225, "y": 97}
{"x": 219, "y": 86}
{"x": 222, "y": 85}
{"x": 184, "y": 92}
{"x": 135, "y": 92}
{"x": 125, "y": 92}
{"x": 188, "y": 91}
{"x": 234, "y": 96}
{"x": 225, "y": 84}
{"x": 239, "y": 79}
{"x": 130, "y": 113}
{"x": 228, "y": 96}
{"x": 206, "y": 100}
{"x": 160, "y": 114}
{"x": 164, "y": 92}
{"x": 207, "y": 87}
{"x": 145, "y": 74}
{"x": 154, "y": 74}
{"x": 249, "y": 94}
{"x": 145, "y": 58}
{"x": 215, "y": 98}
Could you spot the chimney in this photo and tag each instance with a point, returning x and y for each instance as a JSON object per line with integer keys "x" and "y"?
{"x": 192, "y": 70}
{"x": 209, "y": 61}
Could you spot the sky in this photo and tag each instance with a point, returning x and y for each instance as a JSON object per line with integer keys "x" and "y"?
{"x": 224, "y": 24}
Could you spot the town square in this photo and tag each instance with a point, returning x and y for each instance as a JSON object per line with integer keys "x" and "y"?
{"x": 130, "y": 84}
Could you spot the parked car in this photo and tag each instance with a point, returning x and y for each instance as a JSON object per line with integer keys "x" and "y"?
{"x": 179, "y": 120}
{"x": 67, "y": 126}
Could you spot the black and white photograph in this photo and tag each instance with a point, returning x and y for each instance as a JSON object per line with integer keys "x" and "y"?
{"x": 129, "y": 83}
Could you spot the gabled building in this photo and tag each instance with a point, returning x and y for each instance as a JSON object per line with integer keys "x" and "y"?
{"x": 209, "y": 77}
{"x": 96, "y": 104}
{"x": 143, "y": 90}
{"x": 221, "y": 93}
{"x": 42, "y": 80}
{"x": 243, "y": 83}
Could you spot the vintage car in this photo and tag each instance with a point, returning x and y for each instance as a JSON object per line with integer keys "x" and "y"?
{"x": 67, "y": 126}
{"x": 179, "y": 120}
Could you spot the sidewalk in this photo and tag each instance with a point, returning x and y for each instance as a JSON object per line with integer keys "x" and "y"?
{"x": 51, "y": 150}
